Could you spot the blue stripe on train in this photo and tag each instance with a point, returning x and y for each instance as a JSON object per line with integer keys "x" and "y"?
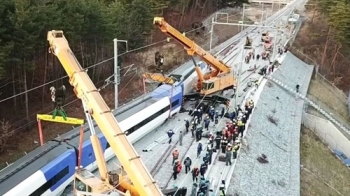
{"x": 60, "y": 169}
{"x": 88, "y": 155}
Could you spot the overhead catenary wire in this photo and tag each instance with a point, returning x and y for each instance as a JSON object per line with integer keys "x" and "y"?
{"x": 91, "y": 66}
{"x": 33, "y": 121}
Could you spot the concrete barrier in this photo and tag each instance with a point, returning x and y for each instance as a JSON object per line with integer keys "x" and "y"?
{"x": 327, "y": 132}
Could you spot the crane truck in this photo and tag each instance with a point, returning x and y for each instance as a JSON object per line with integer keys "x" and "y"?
{"x": 221, "y": 76}
{"x": 138, "y": 181}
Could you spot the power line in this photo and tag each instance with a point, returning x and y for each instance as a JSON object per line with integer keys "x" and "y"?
{"x": 91, "y": 66}
{"x": 33, "y": 121}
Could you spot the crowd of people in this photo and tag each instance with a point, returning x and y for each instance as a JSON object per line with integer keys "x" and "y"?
{"x": 226, "y": 142}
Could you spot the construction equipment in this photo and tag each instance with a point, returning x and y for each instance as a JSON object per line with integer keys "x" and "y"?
{"x": 142, "y": 183}
{"x": 58, "y": 96}
{"x": 221, "y": 76}
{"x": 160, "y": 77}
{"x": 264, "y": 36}
{"x": 248, "y": 43}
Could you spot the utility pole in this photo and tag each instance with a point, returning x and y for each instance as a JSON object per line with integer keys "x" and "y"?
{"x": 117, "y": 70}
{"x": 262, "y": 12}
{"x": 239, "y": 75}
{"x": 243, "y": 17}
{"x": 211, "y": 34}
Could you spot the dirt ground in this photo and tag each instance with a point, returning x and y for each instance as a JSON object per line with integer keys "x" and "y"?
{"x": 332, "y": 97}
{"x": 323, "y": 173}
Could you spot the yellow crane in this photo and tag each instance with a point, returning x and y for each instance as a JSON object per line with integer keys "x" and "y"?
{"x": 142, "y": 183}
{"x": 221, "y": 76}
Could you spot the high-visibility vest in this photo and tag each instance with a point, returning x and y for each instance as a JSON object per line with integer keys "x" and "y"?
{"x": 222, "y": 192}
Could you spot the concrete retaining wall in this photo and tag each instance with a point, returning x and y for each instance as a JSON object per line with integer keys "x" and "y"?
{"x": 327, "y": 132}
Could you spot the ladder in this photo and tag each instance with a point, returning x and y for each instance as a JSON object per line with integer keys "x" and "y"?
{"x": 159, "y": 78}
{"x": 310, "y": 102}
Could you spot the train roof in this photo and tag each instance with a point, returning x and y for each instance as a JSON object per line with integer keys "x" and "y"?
{"x": 182, "y": 69}
{"x": 120, "y": 114}
{"x": 29, "y": 164}
{"x": 166, "y": 91}
{"x": 186, "y": 67}
{"x": 128, "y": 110}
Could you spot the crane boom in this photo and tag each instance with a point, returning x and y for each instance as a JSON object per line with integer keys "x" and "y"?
{"x": 191, "y": 47}
{"x": 87, "y": 92}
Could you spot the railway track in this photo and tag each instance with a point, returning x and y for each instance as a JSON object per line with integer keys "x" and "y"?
{"x": 181, "y": 160}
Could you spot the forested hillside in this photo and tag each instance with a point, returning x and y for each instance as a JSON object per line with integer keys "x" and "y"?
{"x": 27, "y": 70}
{"x": 325, "y": 37}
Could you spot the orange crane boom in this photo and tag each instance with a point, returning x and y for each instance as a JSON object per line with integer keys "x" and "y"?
{"x": 191, "y": 47}
{"x": 87, "y": 92}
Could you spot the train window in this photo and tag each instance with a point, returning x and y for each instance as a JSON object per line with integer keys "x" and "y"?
{"x": 51, "y": 182}
{"x": 149, "y": 119}
{"x": 175, "y": 103}
{"x": 107, "y": 145}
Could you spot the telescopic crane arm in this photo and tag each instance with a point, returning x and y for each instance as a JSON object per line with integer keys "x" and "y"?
{"x": 87, "y": 92}
{"x": 191, "y": 47}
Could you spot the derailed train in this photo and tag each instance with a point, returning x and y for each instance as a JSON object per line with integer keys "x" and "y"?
{"x": 49, "y": 169}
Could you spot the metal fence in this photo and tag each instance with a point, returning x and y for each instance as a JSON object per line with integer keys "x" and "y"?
{"x": 325, "y": 134}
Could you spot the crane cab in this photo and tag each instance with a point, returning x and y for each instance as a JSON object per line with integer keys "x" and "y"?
{"x": 85, "y": 181}
{"x": 219, "y": 83}
{"x": 88, "y": 184}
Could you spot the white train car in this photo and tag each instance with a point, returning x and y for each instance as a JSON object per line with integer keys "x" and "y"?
{"x": 48, "y": 170}
{"x": 187, "y": 75}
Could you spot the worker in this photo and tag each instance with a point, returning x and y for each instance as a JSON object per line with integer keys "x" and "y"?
{"x": 195, "y": 173}
{"x": 180, "y": 138}
{"x": 223, "y": 144}
{"x": 203, "y": 169}
{"x": 175, "y": 169}
{"x": 211, "y": 113}
{"x": 216, "y": 117}
{"x": 199, "y": 133}
{"x": 207, "y": 182}
{"x": 241, "y": 127}
{"x": 199, "y": 149}
{"x": 206, "y": 122}
{"x": 187, "y": 164}
{"x": 222, "y": 188}
{"x": 210, "y": 152}
{"x": 297, "y": 88}
{"x": 200, "y": 115}
{"x": 206, "y": 158}
{"x": 203, "y": 187}
{"x": 170, "y": 135}
{"x": 217, "y": 141}
{"x": 175, "y": 155}
{"x": 235, "y": 148}
{"x": 232, "y": 115}
{"x": 193, "y": 128}
{"x": 194, "y": 189}
{"x": 228, "y": 154}
{"x": 187, "y": 125}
